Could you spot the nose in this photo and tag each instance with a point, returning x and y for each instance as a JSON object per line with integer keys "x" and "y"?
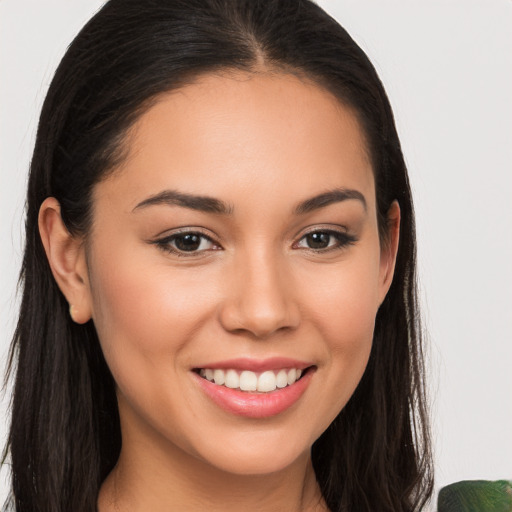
{"x": 259, "y": 298}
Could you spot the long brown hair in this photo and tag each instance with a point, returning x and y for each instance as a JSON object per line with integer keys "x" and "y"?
{"x": 65, "y": 435}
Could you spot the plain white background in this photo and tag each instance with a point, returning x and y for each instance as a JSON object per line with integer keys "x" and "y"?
{"x": 447, "y": 67}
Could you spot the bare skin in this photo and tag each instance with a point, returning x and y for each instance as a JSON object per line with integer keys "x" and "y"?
{"x": 294, "y": 489}
{"x": 287, "y": 263}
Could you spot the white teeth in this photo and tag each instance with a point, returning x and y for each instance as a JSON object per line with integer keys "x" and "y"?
{"x": 282, "y": 379}
{"x": 250, "y": 381}
{"x": 292, "y": 376}
{"x": 218, "y": 377}
{"x": 232, "y": 379}
{"x": 267, "y": 382}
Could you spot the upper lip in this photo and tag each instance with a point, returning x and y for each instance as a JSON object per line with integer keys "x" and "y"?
{"x": 257, "y": 365}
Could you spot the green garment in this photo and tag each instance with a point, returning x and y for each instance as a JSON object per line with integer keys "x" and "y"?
{"x": 476, "y": 496}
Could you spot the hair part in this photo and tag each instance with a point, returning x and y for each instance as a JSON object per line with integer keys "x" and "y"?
{"x": 65, "y": 436}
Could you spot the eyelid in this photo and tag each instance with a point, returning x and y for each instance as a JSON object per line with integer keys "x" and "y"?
{"x": 324, "y": 228}
{"x": 184, "y": 230}
{"x": 163, "y": 241}
{"x": 337, "y": 231}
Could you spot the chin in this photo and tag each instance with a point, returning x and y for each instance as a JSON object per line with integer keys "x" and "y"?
{"x": 257, "y": 464}
{"x": 256, "y": 452}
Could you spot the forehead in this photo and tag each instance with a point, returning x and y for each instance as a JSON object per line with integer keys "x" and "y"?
{"x": 227, "y": 135}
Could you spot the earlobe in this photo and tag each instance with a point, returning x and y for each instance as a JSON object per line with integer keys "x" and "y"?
{"x": 389, "y": 250}
{"x": 66, "y": 256}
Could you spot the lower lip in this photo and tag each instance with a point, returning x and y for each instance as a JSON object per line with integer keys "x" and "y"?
{"x": 256, "y": 405}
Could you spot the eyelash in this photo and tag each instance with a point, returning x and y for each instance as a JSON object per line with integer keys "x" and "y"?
{"x": 165, "y": 243}
{"x": 343, "y": 240}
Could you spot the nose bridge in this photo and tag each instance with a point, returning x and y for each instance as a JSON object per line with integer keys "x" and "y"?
{"x": 260, "y": 296}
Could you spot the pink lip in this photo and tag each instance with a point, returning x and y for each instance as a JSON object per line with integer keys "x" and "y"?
{"x": 255, "y": 365}
{"x": 255, "y": 405}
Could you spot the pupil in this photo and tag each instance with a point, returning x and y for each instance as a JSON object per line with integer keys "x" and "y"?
{"x": 188, "y": 242}
{"x": 318, "y": 240}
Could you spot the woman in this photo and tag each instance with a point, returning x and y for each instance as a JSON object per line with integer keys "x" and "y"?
{"x": 219, "y": 306}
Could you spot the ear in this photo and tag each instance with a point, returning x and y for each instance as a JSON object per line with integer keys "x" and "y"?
{"x": 389, "y": 250}
{"x": 66, "y": 256}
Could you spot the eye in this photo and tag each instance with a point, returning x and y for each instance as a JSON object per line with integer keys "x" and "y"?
{"x": 323, "y": 240}
{"x": 187, "y": 243}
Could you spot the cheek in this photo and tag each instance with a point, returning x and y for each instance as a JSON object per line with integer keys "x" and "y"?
{"x": 344, "y": 303}
{"x": 343, "y": 307}
{"x": 146, "y": 317}
{"x": 146, "y": 313}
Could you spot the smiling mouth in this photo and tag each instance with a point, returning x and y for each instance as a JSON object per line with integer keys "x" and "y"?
{"x": 259, "y": 382}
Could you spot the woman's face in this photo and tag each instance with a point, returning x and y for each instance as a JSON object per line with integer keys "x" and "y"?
{"x": 237, "y": 242}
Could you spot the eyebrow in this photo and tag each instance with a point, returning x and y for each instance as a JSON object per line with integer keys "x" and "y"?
{"x": 209, "y": 204}
{"x": 194, "y": 202}
{"x": 336, "y": 195}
